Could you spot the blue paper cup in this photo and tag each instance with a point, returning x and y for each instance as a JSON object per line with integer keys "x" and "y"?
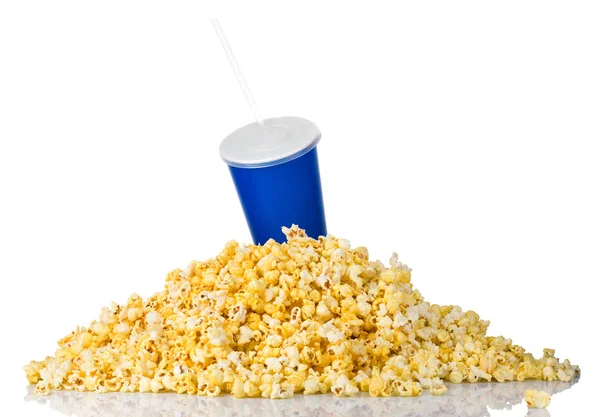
{"x": 275, "y": 170}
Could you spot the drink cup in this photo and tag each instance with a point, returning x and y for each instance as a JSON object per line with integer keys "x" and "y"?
{"x": 275, "y": 170}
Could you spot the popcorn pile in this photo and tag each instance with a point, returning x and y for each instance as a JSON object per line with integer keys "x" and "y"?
{"x": 307, "y": 316}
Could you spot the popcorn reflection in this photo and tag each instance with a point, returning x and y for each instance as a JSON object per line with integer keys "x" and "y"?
{"x": 469, "y": 400}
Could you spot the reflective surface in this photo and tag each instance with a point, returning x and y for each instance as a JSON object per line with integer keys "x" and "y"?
{"x": 468, "y": 400}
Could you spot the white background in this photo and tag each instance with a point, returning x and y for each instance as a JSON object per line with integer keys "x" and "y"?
{"x": 462, "y": 135}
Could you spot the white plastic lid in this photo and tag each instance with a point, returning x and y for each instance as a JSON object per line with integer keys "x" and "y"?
{"x": 281, "y": 140}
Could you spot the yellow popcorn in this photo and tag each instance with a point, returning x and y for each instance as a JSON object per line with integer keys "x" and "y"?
{"x": 408, "y": 389}
{"x": 237, "y": 389}
{"x": 251, "y": 390}
{"x": 439, "y": 390}
{"x": 306, "y": 316}
{"x": 537, "y": 399}
{"x": 343, "y": 387}
{"x": 312, "y": 385}
{"x": 214, "y": 391}
{"x": 376, "y": 384}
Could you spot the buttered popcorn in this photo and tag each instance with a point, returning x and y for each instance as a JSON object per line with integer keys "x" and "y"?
{"x": 537, "y": 399}
{"x": 306, "y": 316}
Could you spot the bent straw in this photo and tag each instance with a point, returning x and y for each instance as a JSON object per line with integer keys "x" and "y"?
{"x": 238, "y": 72}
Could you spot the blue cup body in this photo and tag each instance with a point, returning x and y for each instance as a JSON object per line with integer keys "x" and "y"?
{"x": 281, "y": 195}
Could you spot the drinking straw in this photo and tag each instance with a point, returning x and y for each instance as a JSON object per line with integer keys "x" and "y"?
{"x": 238, "y": 72}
